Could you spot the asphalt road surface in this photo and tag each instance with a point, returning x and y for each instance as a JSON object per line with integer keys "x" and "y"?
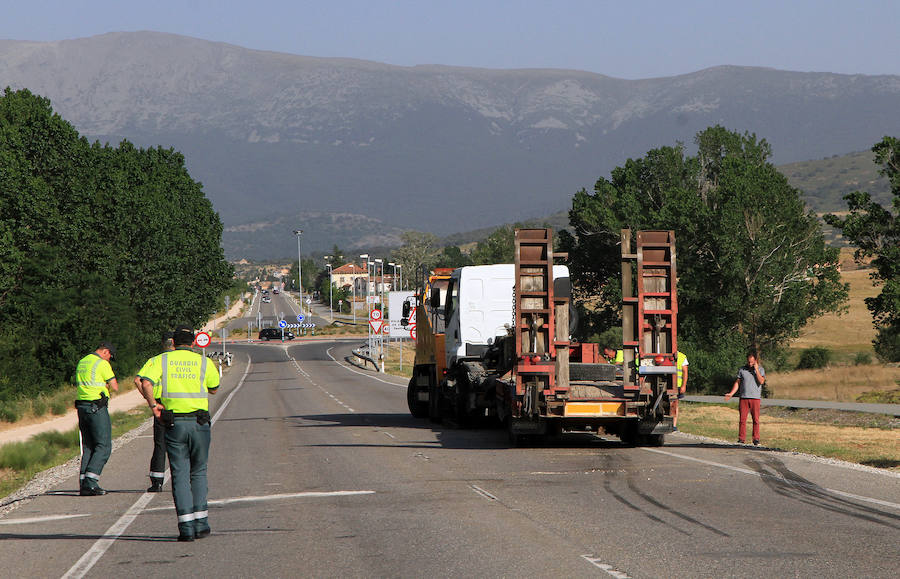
{"x": 281, "y": 306}
{"x": 317, "y": 470}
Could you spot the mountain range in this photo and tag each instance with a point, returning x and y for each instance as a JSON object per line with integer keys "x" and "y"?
{"x": 354, "y": 152}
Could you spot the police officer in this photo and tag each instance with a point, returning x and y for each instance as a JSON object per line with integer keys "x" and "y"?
{"x": 158, "y": 459}
{"x": 185, "y": 379}
{"x": 94, "y": 377}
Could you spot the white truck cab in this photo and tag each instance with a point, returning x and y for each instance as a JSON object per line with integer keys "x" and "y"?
{"x": 479, "y": 307}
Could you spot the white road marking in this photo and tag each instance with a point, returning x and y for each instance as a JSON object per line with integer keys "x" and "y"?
{"x": 90, "y": 558}
{"x": 309, "y": 379}
{"x": 480, "y": 491}
{"x": 328, "y": 351}
{"x": 608, "y": 568}
{"x": 776, "y": 477}
{"x": 41, "y": 519}
{"x": 278, "y": 497}
{"x": 390, "y": 435}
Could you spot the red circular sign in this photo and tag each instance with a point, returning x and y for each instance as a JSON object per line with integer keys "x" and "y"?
{"x": 202, "y": 339}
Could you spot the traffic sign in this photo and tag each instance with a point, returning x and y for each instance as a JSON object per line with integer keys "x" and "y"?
{"x": 376, "y": 325}
{"x": 282, "y": 324}
{"x": 202, "y": 339}
{"x": 299, "y": 317}
{"x": 375, "y": 315}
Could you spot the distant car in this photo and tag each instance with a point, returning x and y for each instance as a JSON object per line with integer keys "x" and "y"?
{"x": 266, "y": 299}
{"x": 275, "y": 291}
{"x": 274, "y": 334}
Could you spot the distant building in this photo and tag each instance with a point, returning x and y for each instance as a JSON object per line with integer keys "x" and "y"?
{"x": 345, "y": 275}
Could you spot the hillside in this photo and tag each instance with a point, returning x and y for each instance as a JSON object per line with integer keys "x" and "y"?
{"x": 824, "y": 182}
{"x": 434, "y": 148}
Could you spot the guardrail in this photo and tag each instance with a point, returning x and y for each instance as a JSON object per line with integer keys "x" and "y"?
{"x": 221, "y": 357}
{"x": 358, "y": 353}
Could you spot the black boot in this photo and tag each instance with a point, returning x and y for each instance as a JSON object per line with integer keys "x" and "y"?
{"x": 156, "y": 485}
{"x": 90, "y": 488}
{"x": 186, "y": 532}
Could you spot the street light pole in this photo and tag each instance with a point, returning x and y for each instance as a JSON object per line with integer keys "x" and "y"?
{"x": 330, "y": 284}
{"x": 365, "y": 258}
{"x": 298, "y": 233}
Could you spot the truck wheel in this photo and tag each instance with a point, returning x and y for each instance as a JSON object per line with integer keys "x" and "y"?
{"x": 416, "y": 408}
{"x": 656, "y": 439}
{"x": 434, "y": 404}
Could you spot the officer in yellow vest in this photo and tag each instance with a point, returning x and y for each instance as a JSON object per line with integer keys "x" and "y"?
{"x": 94, "y": 377}
{"x": 681, "y": 363}
{"x": 158, "y": 459}
{"x": 185, "y": 379}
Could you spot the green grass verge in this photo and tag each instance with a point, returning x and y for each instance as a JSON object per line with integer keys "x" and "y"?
{"x": 20, "y": 461}
{"x": 851, "y": 436}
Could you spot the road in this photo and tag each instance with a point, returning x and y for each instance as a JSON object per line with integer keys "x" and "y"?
{"x": 282, "y": 306}
{"x": 317, "y": 470}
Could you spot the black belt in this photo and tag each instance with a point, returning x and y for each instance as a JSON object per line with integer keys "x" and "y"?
{"x": 189, "y": 414}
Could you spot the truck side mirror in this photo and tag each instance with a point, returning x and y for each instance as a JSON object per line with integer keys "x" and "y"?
{"x": 435, "y": 302}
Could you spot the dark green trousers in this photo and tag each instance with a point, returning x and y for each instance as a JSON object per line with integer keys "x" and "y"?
{"x": 187, "y": 444}
{"x": 96, "y": 440}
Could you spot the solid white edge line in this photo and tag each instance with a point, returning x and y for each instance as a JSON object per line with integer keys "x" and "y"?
{"x": 41, "y": 519}
{"x": 780, "y": 478}
{"x": 285, "y": 496}
{"x": 328, "y": 351}
{"x": 90, "y": 558}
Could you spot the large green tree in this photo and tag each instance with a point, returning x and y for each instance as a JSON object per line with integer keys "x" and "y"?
{"x": 753, "y": 266}
{"x": 875, "y": 230}
{"x": 96, "y": 243}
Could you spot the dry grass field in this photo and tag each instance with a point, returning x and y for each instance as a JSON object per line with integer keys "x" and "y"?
{"x": 846, "y": 335}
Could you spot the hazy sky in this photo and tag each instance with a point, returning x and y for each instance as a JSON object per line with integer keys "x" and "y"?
{"x": 621, "y": 38}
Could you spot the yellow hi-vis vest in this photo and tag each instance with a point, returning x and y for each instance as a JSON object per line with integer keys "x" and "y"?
{"x": 185, "y": 379}
{"x": 91, "y": 376}
{"x": 680, "y": 360}
{"x": 620, "y": 357}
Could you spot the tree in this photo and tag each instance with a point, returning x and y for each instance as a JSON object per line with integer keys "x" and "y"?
{"x": 875, "y": 231}
{"x": 498, "y": 247}
{"x": 418, "y": 251}
{"x": 120, "y": 243}
{"x": 452, "y": 256}
{"x": 752, "y": 263}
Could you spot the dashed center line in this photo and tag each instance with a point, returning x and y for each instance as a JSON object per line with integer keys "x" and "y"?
{"x": 606, "y": 567}
{"x": 480, "y": 491}
{"x": 310, "y": 380}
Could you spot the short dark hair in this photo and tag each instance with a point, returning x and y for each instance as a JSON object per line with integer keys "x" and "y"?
{"x": 183, "y": 335}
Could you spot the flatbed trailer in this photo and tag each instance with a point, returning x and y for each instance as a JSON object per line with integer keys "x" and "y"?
{"x": 528, "y": 374}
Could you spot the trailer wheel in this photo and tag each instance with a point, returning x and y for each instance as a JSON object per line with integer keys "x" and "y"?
{"x": 629, "y": 434}
{"x": 416, "y": 408}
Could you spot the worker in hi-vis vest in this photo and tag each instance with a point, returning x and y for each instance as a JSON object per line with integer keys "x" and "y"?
{"x": 94, "y": 378}
{"x": 185, "y": 380}
{"x": 681, "y": 376}
{"x": 613, "y": 356}
{"x": 158, "y": 458}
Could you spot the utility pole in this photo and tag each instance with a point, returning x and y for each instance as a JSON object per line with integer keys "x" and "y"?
{"x": 298, "y": 233}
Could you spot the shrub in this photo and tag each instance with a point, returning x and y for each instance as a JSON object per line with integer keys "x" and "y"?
{"x": 814, "y": 358}
{"x": 39, "y": 406}
{"x": 862, "y": 359}
{"x": 59, "y": 407}
{"x": 11, "y": 411}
